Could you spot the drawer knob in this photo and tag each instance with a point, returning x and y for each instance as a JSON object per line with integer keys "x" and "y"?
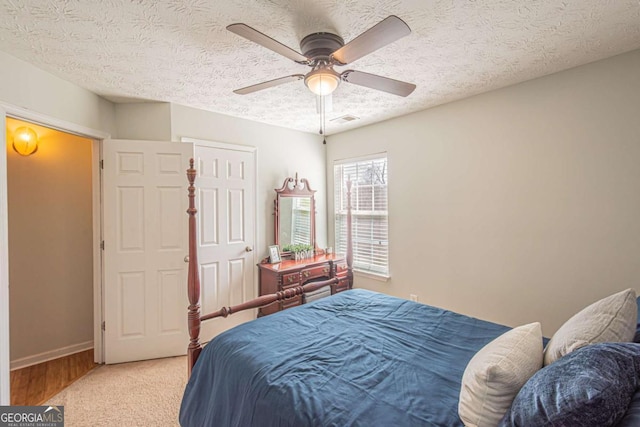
{"x": 306, "y": 274}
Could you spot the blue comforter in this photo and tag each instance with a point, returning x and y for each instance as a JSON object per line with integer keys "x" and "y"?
{"x": 356, "y": 358}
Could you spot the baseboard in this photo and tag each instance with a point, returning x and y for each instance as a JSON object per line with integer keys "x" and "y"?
{"x": 50, "y": 355}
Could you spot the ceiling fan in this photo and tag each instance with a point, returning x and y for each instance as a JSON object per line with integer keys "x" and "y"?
{"x": 323, "y": 51}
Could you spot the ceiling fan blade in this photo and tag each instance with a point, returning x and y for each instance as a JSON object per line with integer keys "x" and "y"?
{"x": 373, "y": 81}
{"x": 268, "y": 84}
{"x": 384, "y": 32}
{"x": 264, "y": 40}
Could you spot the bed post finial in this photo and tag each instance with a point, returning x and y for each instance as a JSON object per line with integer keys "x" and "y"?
{"x": 349, "y": 238}
{"x": 193, "y": 278}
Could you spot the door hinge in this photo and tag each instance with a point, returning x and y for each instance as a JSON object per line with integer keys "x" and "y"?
{"x": 104, "y": 326}
{"x": 101, "y": 164}
{"x": 102, "y": 245}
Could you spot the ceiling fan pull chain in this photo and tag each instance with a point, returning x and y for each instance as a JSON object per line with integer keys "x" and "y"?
{"x": 322, "y": 115}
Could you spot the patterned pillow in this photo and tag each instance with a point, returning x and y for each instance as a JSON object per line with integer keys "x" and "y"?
{"x": 612, "y": 319}
{"x": 590, "y": 386}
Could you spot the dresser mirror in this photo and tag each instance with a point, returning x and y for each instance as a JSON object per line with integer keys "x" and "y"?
{"x": 295, "y": 212}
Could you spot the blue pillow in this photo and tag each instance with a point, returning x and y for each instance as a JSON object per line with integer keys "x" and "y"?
{"x": 589, "y": 386}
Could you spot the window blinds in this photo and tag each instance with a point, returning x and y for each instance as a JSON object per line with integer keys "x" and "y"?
{"x": 369, "y": 212}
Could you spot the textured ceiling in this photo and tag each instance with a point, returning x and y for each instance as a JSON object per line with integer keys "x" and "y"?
{"x": 179, "y": 50}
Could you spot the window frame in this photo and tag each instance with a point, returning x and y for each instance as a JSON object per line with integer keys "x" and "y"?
{"x": 370, "y": 265}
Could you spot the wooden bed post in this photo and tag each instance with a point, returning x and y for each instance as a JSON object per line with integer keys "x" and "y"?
{"x": 349, "y": 238}
{"x": 193, "y": 278}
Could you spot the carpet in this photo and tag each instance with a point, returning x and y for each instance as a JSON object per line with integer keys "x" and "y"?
{"x": 146, "y": 393}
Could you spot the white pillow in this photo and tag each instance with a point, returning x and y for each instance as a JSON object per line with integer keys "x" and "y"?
{"x": 612, "y": 319}
{"x": 497, "y": 372}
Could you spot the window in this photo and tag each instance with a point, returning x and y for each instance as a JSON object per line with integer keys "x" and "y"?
{"x": 369, "y": 212}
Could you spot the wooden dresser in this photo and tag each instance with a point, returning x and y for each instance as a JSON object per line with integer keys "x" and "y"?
{"x": 288, "y": 273}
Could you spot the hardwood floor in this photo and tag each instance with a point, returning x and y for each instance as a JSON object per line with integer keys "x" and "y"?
{"x": 36, "y": 384}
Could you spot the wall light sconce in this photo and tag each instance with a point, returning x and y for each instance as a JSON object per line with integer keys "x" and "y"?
{"x": 25, "y": 141}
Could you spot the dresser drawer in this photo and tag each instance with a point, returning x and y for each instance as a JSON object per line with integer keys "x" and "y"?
{"x": 311, "y": 273}
{"x": 341, "y": 269}
{"x": 290, "y": 279}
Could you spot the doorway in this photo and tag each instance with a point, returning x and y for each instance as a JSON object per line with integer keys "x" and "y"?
{"x": 30, "y": 186}
{"x": 50, "y": 218}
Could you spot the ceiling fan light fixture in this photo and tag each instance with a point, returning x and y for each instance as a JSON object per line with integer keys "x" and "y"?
{"x": 323, "y": 81}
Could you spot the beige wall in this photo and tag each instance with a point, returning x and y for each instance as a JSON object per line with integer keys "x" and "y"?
{"x": 517, "y": 205}
{"x": 50, "y": 243}
{"x": 149, "y": 121}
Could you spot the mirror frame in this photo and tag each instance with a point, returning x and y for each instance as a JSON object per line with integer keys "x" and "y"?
{"x": 299, "y": 188}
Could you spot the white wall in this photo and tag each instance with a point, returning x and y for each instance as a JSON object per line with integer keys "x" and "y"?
{"x": 144, "y": 121}
{"x": 517, "y": 205}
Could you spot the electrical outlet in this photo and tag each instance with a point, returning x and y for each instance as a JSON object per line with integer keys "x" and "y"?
{"x": 413, "y": 297}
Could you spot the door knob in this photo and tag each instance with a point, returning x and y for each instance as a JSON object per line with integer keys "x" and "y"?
{"x": 186, "y": 258}
{"x": 248, "y": 249}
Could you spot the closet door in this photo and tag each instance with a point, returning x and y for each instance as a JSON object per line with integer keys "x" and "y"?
{"x": 226, "y": 203}
{"x": 145, "y": 233}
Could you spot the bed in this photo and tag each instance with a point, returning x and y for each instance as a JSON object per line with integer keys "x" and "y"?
{"x": 361, "y": 358}
{"x": 356, "y": 358}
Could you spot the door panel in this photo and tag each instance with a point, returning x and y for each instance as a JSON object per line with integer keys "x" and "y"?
{"x": 236, "y": 218}
{"x": 131, "y": 295}
{"x": 209, "y": 228}
{"x": 171, "y": 290}
{"x": 145, "y": 233}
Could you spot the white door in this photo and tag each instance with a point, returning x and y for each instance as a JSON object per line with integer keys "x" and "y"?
{"x": 225, "y": 198}
{"x": 145, "y": 243}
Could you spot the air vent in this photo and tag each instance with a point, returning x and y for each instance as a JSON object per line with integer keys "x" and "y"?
{"x": 344, "y": 119}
